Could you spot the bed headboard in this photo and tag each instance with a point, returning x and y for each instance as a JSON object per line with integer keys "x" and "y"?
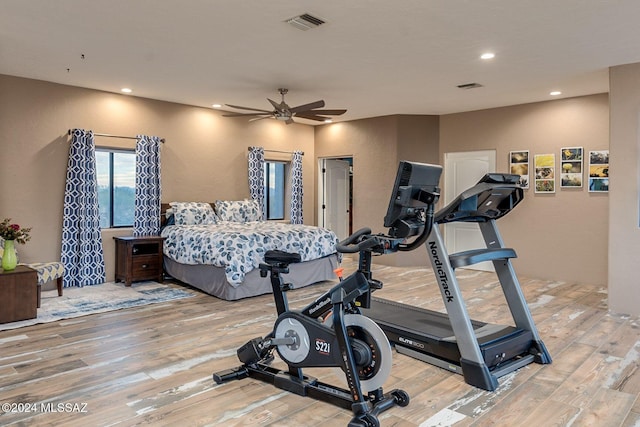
{"x": 163, "y": 211}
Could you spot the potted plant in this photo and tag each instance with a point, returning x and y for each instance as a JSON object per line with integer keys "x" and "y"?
{"x": 12, "y": 233}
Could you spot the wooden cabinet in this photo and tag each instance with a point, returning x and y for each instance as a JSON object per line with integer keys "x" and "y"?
{"x": 18, "y": 294}
{"x": 138, "y": 258}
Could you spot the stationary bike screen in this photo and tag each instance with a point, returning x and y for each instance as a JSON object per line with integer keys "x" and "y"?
{"x": 413, "y": 192}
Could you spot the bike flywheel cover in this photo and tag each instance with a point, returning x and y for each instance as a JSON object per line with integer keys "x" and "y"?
{"x": 293, "y": 353}
{"x": 375, "y": 373}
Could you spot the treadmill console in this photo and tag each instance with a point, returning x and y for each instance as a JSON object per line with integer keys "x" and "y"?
{"x": 494, "y": 196}
{"x": 415, "y": 189}
{"x": 500, "y": 178}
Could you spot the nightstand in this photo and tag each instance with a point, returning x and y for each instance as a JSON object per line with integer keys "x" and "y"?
{"x": 138, "y": 258}
{"x": 19, "y": 294}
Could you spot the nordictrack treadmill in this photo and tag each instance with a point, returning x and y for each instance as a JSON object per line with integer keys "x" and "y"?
{"x": 481, "y": 352}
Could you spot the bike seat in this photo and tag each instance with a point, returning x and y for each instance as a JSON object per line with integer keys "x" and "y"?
{"x": 281, "y": 257}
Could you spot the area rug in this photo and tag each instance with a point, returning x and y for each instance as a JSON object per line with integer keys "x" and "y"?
{"x": 110, "y": 296}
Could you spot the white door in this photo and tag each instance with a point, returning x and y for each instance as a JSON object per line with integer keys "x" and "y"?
{"x": 336, "y": 196}
{"x": 463, "y": 171}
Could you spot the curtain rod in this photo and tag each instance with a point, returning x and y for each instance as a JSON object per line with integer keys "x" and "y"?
{"x": 278, "y": 151}
{"x": 70, "y": 132}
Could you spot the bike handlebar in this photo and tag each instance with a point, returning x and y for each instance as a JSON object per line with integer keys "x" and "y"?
{"x": 351, "y": 244}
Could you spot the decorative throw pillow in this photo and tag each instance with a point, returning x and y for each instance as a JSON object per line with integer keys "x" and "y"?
{"x": 238, "y": 210}
{"x": 193, "y": 213}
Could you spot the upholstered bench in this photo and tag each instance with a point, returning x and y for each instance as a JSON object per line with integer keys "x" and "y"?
{"x": 46, "y": 271}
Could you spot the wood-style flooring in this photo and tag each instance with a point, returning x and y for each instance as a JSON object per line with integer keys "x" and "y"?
{"x": 153, "y": 365}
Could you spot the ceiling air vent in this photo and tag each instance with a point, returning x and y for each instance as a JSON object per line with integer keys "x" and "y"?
{"x": 469, "y": 86}
{"x": 305, "y": 22}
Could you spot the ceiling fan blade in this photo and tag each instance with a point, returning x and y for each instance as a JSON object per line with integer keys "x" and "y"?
{"x": 259, "y": 118}
{"x": 246, "y": 114}
{"x": 309, "y": 115}
{"x": 306, "y": 107}
{"x": 277, "y": 106}
{"x": 329, "y": 112}
{"x": 247, "y": 108}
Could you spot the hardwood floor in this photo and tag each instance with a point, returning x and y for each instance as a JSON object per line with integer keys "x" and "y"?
{"x": 152, "y": 365}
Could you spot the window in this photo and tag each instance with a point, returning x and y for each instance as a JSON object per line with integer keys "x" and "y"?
{"x": 116, "y": 170}
{"x": 274, "y": 189}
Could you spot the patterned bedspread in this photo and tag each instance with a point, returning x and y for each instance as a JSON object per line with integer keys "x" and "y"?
{"x": 240, "y": 247}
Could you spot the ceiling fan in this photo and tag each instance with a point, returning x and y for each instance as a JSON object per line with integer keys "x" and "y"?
{"x": 285, "y": 113}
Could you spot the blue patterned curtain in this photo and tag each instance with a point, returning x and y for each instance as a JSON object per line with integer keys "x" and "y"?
{"x": 146, "y": 215}
{"x": 256, "y": 177}
{"x": 296, "y": 188}
{"x": 82, "y": 253}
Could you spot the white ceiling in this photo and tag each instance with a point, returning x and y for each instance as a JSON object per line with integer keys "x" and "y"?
{"x": 372, "y": 57}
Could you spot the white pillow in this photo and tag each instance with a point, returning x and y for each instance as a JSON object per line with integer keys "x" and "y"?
{"x": 238, "y": 210}
{"x": 193, "y": 213}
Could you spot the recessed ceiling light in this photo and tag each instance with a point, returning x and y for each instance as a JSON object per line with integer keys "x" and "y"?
{"x": 328, "y": 121}
{"x": 555, "y": 93}
{"x": 217, "y": 105}
{"x": 126, "y": 90}
{"x": 488, "y": 55}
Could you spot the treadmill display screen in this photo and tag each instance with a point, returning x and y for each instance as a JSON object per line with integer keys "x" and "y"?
{"x": 409, "y": 198}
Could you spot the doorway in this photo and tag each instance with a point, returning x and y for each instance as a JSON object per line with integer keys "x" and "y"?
{"x": 335, "y": 195}
{"x": 462, "y": 171}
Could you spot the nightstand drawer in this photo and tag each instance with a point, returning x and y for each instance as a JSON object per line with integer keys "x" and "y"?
{"x": 144, "y": 265}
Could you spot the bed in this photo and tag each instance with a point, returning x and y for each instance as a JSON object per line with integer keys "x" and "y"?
{"x": 217, "y": 247}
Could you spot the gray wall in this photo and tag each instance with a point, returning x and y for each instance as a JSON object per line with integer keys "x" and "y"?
{"x": 624, "y": 234}
{"x": 560, "y": 236}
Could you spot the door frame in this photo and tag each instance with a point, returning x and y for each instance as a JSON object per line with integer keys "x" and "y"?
{"x": 321, "y": 190}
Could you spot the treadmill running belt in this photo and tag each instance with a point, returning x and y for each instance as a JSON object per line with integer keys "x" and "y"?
{"x": 430, "y": 332}
{"x": 418, "y": 321}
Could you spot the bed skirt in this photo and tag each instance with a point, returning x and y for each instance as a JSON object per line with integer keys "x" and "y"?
{"x": 213, "y": 281}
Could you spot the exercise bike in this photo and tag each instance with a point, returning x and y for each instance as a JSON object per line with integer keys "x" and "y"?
{"x": 329, "y": 332}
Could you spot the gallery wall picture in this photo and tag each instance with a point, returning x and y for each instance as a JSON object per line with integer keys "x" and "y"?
{"x": 571, "y": 159}
{"x": 545, "y": 179}
{"x": 599, "y": 171}
{"x": 519, "y": 165}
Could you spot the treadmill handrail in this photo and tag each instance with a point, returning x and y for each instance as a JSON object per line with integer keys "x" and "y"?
{"x": 475, "y": 256}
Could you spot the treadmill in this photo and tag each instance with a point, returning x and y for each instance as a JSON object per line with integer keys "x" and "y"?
{"x": 479, "y": 351}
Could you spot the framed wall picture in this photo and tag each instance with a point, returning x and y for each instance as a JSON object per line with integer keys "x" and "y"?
{"x": 599, "y": 171}
{"x": 519, "y": 165}
{"x": 545, "y": 170}
{"x": 571, "y": 159}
